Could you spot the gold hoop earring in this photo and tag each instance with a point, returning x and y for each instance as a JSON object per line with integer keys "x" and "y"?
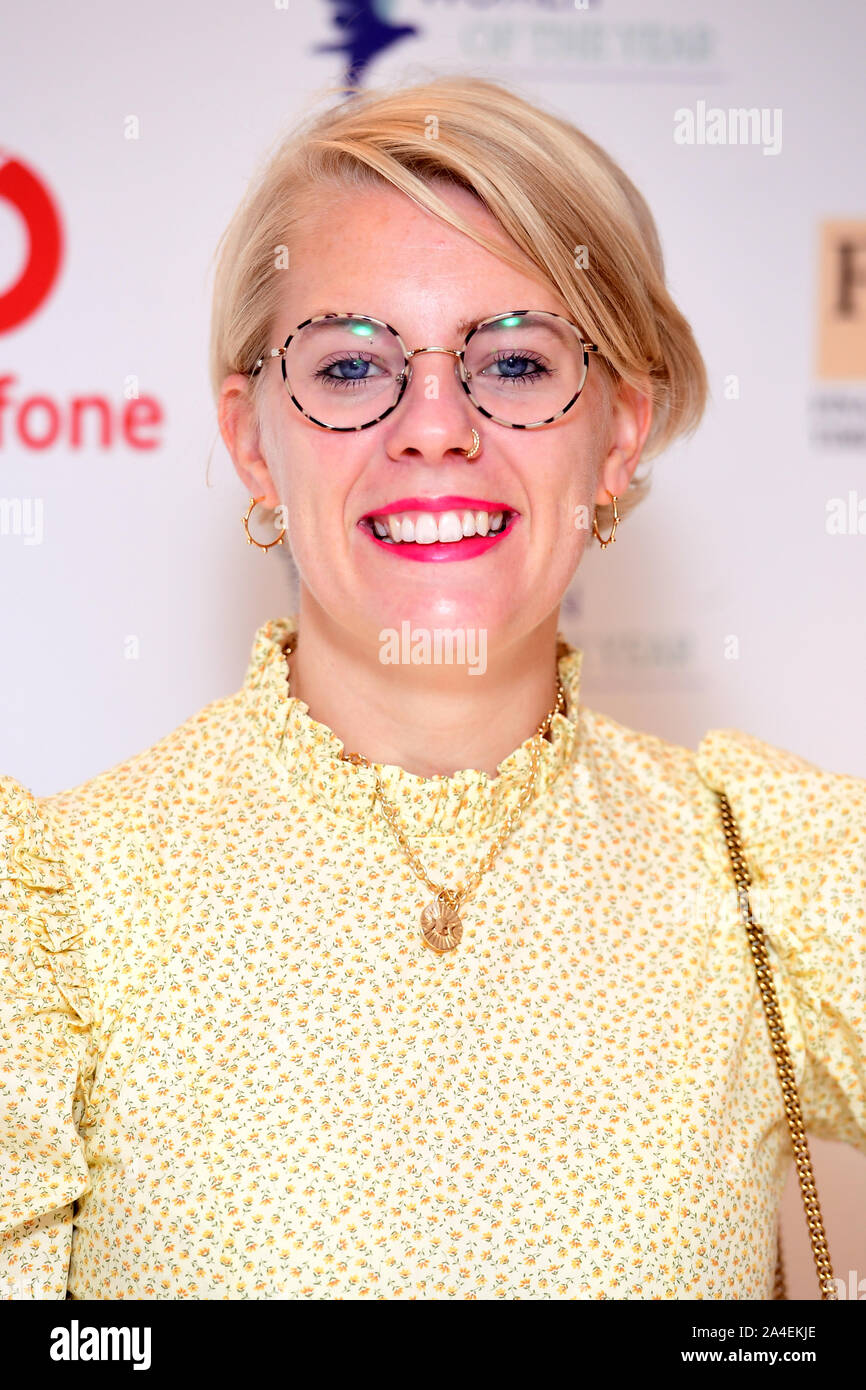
{"x": 612, "y": 535}
{"x": 251, "y": 539}
{"x": 476, "y": 446}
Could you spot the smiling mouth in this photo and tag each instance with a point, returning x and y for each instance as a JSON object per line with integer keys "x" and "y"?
{"x": 443, "y": 528}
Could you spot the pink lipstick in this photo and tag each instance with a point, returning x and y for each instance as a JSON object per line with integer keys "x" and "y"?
{"x": 438, "y": 551}
{"x": 437, "y": 504}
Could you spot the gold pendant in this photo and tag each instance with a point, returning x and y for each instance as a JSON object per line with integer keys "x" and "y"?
{"x": 440, "y": 925}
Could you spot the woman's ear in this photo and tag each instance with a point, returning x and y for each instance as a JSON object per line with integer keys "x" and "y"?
{"x": 631, "y": 413}
{"x": 241, "y": 434}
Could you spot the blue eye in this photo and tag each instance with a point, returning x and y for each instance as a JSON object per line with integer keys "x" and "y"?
{"x": 517, "y": 360}
{"x": 357, "y": 373}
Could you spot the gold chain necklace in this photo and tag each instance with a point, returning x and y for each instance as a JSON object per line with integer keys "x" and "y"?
{"x": 441, "y": 926}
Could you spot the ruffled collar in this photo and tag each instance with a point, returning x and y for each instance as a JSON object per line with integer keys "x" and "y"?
{"x": 467, "y": 802}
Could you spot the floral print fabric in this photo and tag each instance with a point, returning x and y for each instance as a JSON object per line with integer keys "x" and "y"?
{"x": 231, "y": 1069}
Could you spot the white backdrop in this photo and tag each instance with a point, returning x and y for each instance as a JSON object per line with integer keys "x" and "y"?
{"x": 121, "y": 563}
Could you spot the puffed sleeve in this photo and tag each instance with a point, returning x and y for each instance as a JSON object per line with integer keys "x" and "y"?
{"x": 46, "y": 1055}
{"x": 804, "y": 838}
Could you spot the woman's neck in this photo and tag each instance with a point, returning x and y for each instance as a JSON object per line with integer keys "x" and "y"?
{"x": 430, "y": 719}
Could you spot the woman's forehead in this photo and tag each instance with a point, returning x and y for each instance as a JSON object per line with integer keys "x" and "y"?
{"x": 375, "y": 252}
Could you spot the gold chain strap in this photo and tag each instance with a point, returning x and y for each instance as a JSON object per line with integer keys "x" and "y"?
{"x": 784, "y": 1066}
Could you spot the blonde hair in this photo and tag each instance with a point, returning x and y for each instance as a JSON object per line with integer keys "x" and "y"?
{"x": 551, "y": 189}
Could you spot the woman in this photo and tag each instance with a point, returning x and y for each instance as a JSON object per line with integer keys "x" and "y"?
{"x": 400, "y": 973}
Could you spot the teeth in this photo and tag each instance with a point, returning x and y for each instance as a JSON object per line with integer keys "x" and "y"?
{"x": 450, "y": 527}
{"x": 427, "y": 528}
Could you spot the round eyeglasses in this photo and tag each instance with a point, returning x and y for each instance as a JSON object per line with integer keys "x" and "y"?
{"x": 524, "y": 368}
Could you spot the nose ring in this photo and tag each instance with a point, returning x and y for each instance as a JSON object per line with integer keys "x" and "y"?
{"x": 476, "y": 446}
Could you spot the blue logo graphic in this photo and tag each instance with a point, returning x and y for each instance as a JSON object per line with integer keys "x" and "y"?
{"x": 365, "y": 31}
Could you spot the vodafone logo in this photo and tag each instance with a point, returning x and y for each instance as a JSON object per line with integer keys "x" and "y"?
{"x": 39, "y": 420}
{"x": 25, "y": 191}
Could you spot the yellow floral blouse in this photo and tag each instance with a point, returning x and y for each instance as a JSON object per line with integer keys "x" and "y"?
{"x": 230, "y": 1067}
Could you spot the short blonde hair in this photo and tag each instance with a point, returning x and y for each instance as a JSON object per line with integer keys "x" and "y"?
{"x": 551, "y": 189}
